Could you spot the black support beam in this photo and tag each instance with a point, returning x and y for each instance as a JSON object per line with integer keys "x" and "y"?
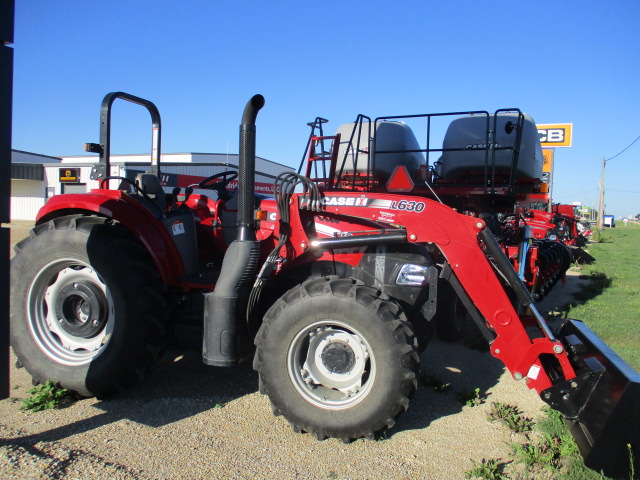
{"x": 7, "y": 10}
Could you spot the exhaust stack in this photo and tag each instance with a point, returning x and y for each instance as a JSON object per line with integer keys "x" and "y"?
{"x": 224, "y": 342}
{"x": 246, "y": 185}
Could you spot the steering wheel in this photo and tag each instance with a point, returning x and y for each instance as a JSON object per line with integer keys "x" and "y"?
{"x": 227, "y": 177}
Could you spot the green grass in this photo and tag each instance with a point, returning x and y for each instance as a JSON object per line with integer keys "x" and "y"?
{"x": 561, "y": 455}
{"x": 612, "y": 300}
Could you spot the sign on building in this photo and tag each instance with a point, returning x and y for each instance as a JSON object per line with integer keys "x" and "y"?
{"x": 69, "y": 175}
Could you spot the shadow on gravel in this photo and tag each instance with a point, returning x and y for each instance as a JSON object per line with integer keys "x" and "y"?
{"x": 460, "y": 370}
{"x": 181, "y": 386}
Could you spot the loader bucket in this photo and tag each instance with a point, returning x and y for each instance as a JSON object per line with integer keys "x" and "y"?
{"x": 601, "y": 405}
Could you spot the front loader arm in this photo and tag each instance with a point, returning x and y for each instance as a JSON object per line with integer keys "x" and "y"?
{"x": 477, "y": 261}
{"x": 428, "y": 222}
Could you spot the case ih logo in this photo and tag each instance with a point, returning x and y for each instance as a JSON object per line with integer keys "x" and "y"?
{"x": 339, "y": 201}
{"x": 346, "y": 201}
{"x": 555, "y": 135}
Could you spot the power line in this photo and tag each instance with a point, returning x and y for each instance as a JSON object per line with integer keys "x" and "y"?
{"x": 623, "y": 150}
{"x": 601, "y": 196}
{"x": 624, "y": 191}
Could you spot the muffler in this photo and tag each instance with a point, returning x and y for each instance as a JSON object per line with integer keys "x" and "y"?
{"x": 601, "y": 405}
{"x": 226, "y": 340}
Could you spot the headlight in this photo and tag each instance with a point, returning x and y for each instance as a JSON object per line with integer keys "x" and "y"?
{"x": 411, "y": 274}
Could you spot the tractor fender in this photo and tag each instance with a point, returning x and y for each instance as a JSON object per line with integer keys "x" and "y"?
{"x": 132, "y": 215}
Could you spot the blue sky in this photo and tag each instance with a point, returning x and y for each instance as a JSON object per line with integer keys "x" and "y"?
{"x": 200, "y": 61}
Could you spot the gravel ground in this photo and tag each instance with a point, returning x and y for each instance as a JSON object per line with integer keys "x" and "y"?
{"x": 191, "y": 421}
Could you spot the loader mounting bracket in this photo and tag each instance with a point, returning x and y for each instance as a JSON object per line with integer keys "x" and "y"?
{"x": 570, "y": 396}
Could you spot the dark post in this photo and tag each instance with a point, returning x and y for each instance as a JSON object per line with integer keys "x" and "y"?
{"x": 6, "y": 95}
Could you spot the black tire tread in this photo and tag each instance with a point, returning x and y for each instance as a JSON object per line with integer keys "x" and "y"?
{"x": 385, "y": 309}
{"x": 148, "y": 335}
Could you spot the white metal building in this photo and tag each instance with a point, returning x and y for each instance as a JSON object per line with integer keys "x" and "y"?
{"x": 35, "y": 178}
{"x": 28, "y": 184}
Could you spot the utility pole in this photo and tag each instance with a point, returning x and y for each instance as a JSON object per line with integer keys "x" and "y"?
{"x": 601, "y": 199}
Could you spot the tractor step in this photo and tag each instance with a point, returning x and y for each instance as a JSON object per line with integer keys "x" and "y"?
{"x": 602, "y": 404}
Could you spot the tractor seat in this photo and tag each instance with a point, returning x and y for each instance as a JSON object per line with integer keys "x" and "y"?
{"x": 150, "y": 184}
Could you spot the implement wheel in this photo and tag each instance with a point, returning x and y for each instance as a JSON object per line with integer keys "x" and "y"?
{"x": 87, "y": 309}
{"x": 337, "y": 359}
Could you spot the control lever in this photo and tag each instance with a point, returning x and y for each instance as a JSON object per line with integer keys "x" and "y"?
{"x": 187, "y": 193}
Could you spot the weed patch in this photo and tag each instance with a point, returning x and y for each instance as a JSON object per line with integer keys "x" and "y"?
{"x": 46, "y": 396}
{"x": 600, "y": 236}
{"x": 472, "y": 398}
{"x": 491, "y": 469}
{"x": 546, "y": 452}
{"x": 510, "y": 416}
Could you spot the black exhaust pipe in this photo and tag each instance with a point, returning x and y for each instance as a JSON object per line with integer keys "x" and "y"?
{"x": 226, "y": 340}
{"x": 246, "y": 186}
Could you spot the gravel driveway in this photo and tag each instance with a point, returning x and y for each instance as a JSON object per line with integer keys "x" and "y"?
{"x": 191, "y": 421}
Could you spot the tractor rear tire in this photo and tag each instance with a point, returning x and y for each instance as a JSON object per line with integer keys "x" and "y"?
{"x": 337, "y": 359}
{"x": 87, "y": 306}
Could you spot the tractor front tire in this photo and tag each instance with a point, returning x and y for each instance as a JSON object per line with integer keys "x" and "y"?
{"x": 87, "y": 306}
{"x": 337, "y": 359}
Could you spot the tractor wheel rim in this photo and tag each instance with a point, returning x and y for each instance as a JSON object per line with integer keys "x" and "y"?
{"x": 70, "y": 312}
{"x": 331, "y": 365}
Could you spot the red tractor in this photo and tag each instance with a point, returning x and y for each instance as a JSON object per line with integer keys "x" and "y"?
{"x": 332, "y": 290}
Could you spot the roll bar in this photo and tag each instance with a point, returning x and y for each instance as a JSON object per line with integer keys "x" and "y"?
{"x": 102, "y": 169}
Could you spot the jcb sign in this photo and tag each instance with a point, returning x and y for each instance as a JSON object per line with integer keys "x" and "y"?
{"x": 555, "y": 135}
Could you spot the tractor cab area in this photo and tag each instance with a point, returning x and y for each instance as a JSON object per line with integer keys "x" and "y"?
{"x": 200, "y": 219}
